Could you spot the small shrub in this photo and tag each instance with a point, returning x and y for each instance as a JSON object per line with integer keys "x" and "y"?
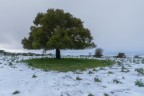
{"x": 16, "y": 92}
{"x": 109, "y": 72}
{"x": 98, "y": 52}
{"x": 78, "y": 78}
{"x": 120, "y": 63}
{"x": 10, "y": 63}
{"x": 104, "y": 86}
{"x": 136, "y": 61}
{"x": 94, "y": 70}
{"x": 123, "y": 77}
{"x": 97, "y": 80}
{"x": 121, "y": 55}
{"x": 90, "y": 72}
{"x": 123, "y": 69}
{"x": 136, "y": 56}
{"x": 139, "y": 83}
{"x": 116, "y": 81}
{"x": 90, "y": 94}
{"x": 34, "y": 76}
{"x": 140, "y": 71}
{"x": 143, "y": 61}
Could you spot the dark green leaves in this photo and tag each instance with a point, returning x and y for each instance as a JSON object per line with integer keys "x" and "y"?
{"x": 57, "y": 29}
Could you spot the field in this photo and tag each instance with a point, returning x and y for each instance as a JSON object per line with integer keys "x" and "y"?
{"x": 124, "y": 78}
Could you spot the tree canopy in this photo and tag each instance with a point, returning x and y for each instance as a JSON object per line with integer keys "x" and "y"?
{"x": 57, "y": 29}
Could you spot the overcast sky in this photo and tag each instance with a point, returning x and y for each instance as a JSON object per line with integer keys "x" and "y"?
{"x": 116, "y": 25}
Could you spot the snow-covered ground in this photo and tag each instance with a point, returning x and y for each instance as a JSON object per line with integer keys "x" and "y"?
{"x": 17, "y": 79}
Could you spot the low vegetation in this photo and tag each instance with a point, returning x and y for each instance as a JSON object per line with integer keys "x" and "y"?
{"x": 34, "y": 76}
{"x": 66, "y": 64}
{"x": 78, "y": 78}
{"x": 139, "y": 83}
{"x": 116, "y": 81}
{"x": 105, "y": 94}
{"x": 97, "y": 80}
{"x": 98, "y": 52}
{"x": 16, "y": 92}
{"x": 140, "y": 71}
{"x": 90, "y": 94}
{"x": 121, "y": 55}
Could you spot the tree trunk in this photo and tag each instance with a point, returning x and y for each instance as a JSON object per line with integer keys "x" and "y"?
{"x": 58, "y": 54}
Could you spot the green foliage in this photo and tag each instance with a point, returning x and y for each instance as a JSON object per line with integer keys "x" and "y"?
{"x": 60, "y": 39}
{"x": 66, "y": 64}
{"x": 57, "y": 29}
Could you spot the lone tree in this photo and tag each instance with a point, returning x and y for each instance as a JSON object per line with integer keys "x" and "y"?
{"x": 57, "y": 29}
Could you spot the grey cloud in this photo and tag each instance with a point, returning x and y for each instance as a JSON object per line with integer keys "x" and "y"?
{"x": 117, "y": 25}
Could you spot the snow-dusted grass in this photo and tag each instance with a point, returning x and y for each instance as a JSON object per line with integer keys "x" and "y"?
{"x": 17, "y": 79}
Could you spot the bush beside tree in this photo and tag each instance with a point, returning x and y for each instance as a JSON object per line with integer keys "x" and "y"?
{"x": 121, "y": 55}
{"x": 98, "y": 52}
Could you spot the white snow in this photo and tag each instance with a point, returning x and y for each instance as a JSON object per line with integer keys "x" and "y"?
{"x": 17, "y": 76}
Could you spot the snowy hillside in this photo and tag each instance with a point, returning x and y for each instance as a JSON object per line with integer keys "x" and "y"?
{"x": 126, "y": 78}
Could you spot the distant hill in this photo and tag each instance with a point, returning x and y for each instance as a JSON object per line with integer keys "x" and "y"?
{"x": 2, "y": 52}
